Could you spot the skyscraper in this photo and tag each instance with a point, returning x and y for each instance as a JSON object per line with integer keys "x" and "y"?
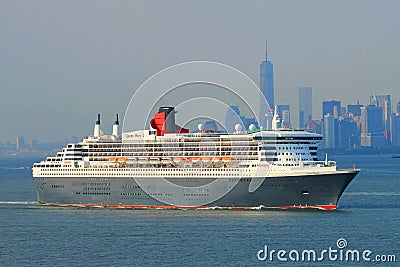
{"x": 20, "y": 142}
{"x": 286, "y": 119}
{"x": 305, "y": 106}
{"x": 284, "y": 113}
{"x": 347, "y": 133}
{"x": 396, "y": 129}
{"x": 329, "y": 131}
{"x": 372, "y": 127}
{"x": 332, "y": 107}
{"x": 282, "y": 108}
{"x": 267, "y": 88}
{"x": 384, "y": 102}
{"x": 355, "y": 110}
{"x": 371, "y": 121}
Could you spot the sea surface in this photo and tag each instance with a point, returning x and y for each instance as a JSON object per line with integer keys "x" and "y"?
{"x": 367, "y": 219}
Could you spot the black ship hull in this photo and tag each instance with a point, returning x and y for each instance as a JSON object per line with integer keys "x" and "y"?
{"x": 321, "y": 191}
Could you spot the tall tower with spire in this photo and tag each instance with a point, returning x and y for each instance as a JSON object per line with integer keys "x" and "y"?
{"x": 267, "y": 101}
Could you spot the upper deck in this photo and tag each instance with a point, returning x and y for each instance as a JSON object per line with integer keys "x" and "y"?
{"x": 284, "y": 149}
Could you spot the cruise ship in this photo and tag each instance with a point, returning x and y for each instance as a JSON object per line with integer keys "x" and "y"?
{"x": 169, "y": 167}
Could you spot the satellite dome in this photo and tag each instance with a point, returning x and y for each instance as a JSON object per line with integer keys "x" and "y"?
{"x": 238, "y": 127}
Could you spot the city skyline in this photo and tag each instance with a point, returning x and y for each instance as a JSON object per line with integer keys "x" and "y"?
{"x": 233, "y": 117}
{"x": 59, "y": 68}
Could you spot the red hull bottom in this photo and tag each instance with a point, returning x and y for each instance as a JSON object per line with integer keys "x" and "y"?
{"x": 120, "y": 206}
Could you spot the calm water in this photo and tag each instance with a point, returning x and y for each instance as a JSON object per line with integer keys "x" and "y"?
{"x": 31, "y": 235}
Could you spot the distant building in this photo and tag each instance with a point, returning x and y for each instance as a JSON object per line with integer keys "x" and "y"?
{"x": 354, "y": 110}
{"x": 372, "y": 128}
{"x": 284, "y": 113}
{"x": 286, "y": 119}
{"x": 313, "y": 126}
{"x": 305, "y": 106}
{"x": 281, "y": 108}
{"x": 336, "y": 112}
{"x": 20, "y": 142}
{"x": 385, "y": 103}
{"x": 373, "y": 140}
{"x": 379, "y": 100}
{"x": 348, "y": 133}
{"x": 318, "y": 125}
{"x": 34, "y": 143}
{"x": 371, "y": 119}
{"x": 267, "y": 89}
{"x": 329, "y": 131}
{"x": 395, "y": 125}
{"x": 343, "y": 111}
{"x": 332, "y": 107}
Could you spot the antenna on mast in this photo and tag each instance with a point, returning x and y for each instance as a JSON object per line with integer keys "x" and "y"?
{"x": 266, "y": 48}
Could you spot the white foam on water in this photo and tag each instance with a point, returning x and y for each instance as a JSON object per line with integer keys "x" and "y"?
{"x": 15, "y": 168}
{"x": 18, "y": 202}
{"x": 372, "y": 193}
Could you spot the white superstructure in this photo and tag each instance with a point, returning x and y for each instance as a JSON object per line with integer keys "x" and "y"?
{"x": 204, "y": 154}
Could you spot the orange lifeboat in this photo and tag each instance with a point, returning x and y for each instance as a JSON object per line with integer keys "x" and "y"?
{"x": 206, "y": 160}
{"x": 121, "y": 159}
{"x": 195, "y": 160}
{"x": 226, "y": 159}
{"x": 177, "y": 160}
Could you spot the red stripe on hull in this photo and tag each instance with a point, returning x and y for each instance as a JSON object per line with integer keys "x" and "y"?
{"x": 320, "y": 207}
{"x": 120, "y": 206}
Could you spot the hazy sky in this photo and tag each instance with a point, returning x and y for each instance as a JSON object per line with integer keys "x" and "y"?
{"x": 62, "y": 62}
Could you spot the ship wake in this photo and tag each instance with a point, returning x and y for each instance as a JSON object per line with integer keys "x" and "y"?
{"x": 18, "y": 202}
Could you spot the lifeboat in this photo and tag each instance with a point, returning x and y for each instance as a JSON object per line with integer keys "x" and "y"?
{"x": 112, "y": 159}
{"x": 226, "y": 159}
{"x": 132, "y": 162}
{"x": 206, "y": 160}
{"x": 121, "y": 159}
{"x": 143, "y": 161}
{"x": 155, "y": 161}
{"x": 195, "y": 160}
{"x": 177, "y": 160}
{"x": 166, "y": 161}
